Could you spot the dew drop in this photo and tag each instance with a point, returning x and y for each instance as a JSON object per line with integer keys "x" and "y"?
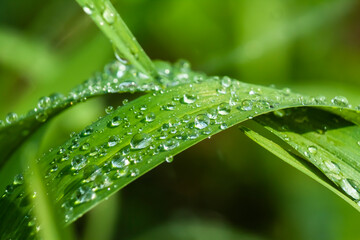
{"x": 188, "y": 98}
{"x": 115, "y": 121}
{"x": 140, "y": 141}
{"x": 170, "y": 144}
{"x": 87, "y": 10}
{"x": 101, "y": 181}
{"x": 85, "y": 146}
{"x": 246, "y": 105}
{"x": 18, "y": 179}
{"x": 201, "y": 121}
{"x": 223, "y": 126}
{"x": 349, "y": 188}
{"x": 169, "y": 159}
{"x": 224, "y": 109}
{"x": 340, "y": 101}
{"x": 109, "y": 109}
{"x": 119, "y": 162}
{"x": 11, "y": 117}
{"x": 134, "y": 172}
{"x": 226, "y": 82}
{"x": 41, "y": 117}
{"x": 84, "y": 194}
{"x": 113, "y": 140}
{"x": 312, "y": 149}
{"x": 150, "y": 117}
{"x": 109, "y": 16}
{"x": 87, "y": 132}
{"x": 78, "y": 162}
{"x": 44, "y": 103}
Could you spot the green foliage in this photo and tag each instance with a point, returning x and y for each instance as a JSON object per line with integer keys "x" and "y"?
{"x": 181, "y": 107}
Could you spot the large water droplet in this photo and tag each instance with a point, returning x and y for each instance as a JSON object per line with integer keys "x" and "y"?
{"x": 140, "y": 141}
{"x": 201, "y": 121}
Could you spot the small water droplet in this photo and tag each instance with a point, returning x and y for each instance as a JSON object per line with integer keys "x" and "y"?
{"x": 134, "y": 172}
{"x": 85, "y": 146}
{"x": 115, "y": 121}
{"x": 113, "y": 140}
{"x": 18, "y": 179}
{"x": 44, "y": 103}
{"x": 140, "y": 141}
{"x": 84, "y": 194}
{"x": 78, "y": 162}
{"x": 109, "y": 16}
{"x": 150, "y": 117}
{"x": 340, "y": 101}
{"x": 169, "y": 159}
{"x": 119, "y": 162}
{"x": 87, "y": 10}
{"x": 223, "y": 126}
{"x": 226, "y": 82}
{"x": 201, "y": 121}
{"x": 87, "y": 132}
{"x": 246, "y": 105}
{"x": 224, "y": 109}
{"x": 188, "y": 98}
{"x": 312, "y": 149}
{"x": 11, "y": 117}
{"x": 109, "y": 109}
{"x": 170, "y": 144}
{"x": 349, "y": 188}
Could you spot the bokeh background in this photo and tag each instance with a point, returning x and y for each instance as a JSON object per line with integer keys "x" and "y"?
{"x": 223, "y": 188}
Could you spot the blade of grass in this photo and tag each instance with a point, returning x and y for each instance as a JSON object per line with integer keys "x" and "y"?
{"x": 109, "y": 21}
{"x": 140, "y": 135}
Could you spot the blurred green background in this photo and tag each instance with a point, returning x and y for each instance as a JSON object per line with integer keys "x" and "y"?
{"x": 223, "y": 188}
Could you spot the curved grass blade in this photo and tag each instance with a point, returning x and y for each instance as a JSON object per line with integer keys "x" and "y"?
{"x": 109, "y": 21}
{"x": 138, "y": 136}
{"x": 116, "y": 78}
{"x": 332, "y": 146}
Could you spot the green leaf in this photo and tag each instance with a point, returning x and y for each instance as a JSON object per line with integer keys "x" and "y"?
{"x": 333, "y": 146}
{"x": 133, "y": 139}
